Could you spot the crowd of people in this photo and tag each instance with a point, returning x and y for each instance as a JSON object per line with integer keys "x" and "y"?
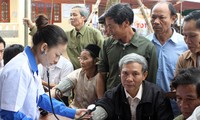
{"x": 126, "y": 75}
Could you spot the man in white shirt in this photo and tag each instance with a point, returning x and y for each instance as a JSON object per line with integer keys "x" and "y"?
{"x": 57, "y": 73}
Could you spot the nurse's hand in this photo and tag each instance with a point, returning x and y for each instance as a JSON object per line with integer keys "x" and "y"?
{"x": 81, "y": 112}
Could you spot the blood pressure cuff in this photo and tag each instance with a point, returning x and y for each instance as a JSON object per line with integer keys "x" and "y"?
{"x": 65, "y": 86}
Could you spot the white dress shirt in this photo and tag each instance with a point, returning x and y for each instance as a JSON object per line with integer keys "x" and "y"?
{"x": 134, "y": 101}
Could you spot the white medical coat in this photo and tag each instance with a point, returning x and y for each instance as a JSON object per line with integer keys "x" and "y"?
{"x": 20, "y": 87}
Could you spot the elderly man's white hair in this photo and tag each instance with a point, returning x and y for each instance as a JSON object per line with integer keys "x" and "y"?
{"x": 83, "y": 11}
{"x": 133, "y": 57}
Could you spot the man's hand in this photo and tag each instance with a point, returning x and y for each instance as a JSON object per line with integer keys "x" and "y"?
{"x": 28, "y": 22}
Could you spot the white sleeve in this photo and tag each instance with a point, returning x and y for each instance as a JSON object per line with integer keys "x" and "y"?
{"x": 13, "y": 89}
{"x": 66, "y": 69}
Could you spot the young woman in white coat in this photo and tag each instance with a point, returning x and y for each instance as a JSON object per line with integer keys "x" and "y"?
{"x": 21, "y": 91}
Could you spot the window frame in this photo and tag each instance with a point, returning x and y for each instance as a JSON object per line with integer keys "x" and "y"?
{"x": 7, "y": 19}
{"x": 46, "y": 5}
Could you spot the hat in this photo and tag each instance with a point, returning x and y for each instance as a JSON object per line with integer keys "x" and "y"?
{"x": 93, "y": 49}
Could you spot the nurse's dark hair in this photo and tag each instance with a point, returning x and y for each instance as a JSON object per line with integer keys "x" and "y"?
{"x": 195, "y": 15}
{"x": 50, "y": 34}
{"x": 41, "y": 21}
{"x": 188, "y": 76}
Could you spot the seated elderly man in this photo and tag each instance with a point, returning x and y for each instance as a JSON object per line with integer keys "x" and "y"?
{"x": 134, "y": 98}
{"x": 187, "y": 85}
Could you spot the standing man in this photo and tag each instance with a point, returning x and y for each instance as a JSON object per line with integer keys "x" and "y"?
{"x": 124, "y": 40}
{"x": 81, "y": 35}
{"x": 2, "y": 47}
{"x": 169, "y": 44}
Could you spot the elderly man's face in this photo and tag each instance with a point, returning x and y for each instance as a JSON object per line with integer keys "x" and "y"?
{"x": 132, "y": 77}
{"x": 187, "y": 99}
{"x": 192, "y": 36}
{"x": 75, "y": 18}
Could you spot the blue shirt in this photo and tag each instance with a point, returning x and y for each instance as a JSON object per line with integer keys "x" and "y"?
{"x": 167, "y": 58}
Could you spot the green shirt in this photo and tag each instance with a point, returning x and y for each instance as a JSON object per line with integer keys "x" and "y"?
{"x": 77, "y": 43}
{"x": 113, "y": 50}
{"x": 180, "y": 117}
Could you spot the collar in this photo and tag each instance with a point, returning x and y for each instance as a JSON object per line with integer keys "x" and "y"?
{"x": 180, "y": 117}
{"x": 82, "y": 31}
{"x": 31, "y": 59}
{"x": 134, "y": 40}
{"x": 189, "y": 55}
{"x": 173, "y": 38}
{"x": 138, "y": 95}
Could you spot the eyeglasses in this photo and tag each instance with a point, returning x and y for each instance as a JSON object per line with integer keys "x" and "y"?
{"x": 82, "y": 58}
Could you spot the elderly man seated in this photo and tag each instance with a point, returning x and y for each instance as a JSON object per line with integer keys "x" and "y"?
{"x": 134, "y": 98}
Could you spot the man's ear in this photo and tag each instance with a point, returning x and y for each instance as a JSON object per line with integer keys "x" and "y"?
{"x": 85, "y": 19}
{"x": 174, "y": 18}
{"x": 96, "y": 60}
{"x": 145, "y": 75}
{"x": 126, "y": 23}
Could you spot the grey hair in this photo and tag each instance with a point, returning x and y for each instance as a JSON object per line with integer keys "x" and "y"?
{"x": 133, "y": 57}
{"x": 83, "y": 11}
